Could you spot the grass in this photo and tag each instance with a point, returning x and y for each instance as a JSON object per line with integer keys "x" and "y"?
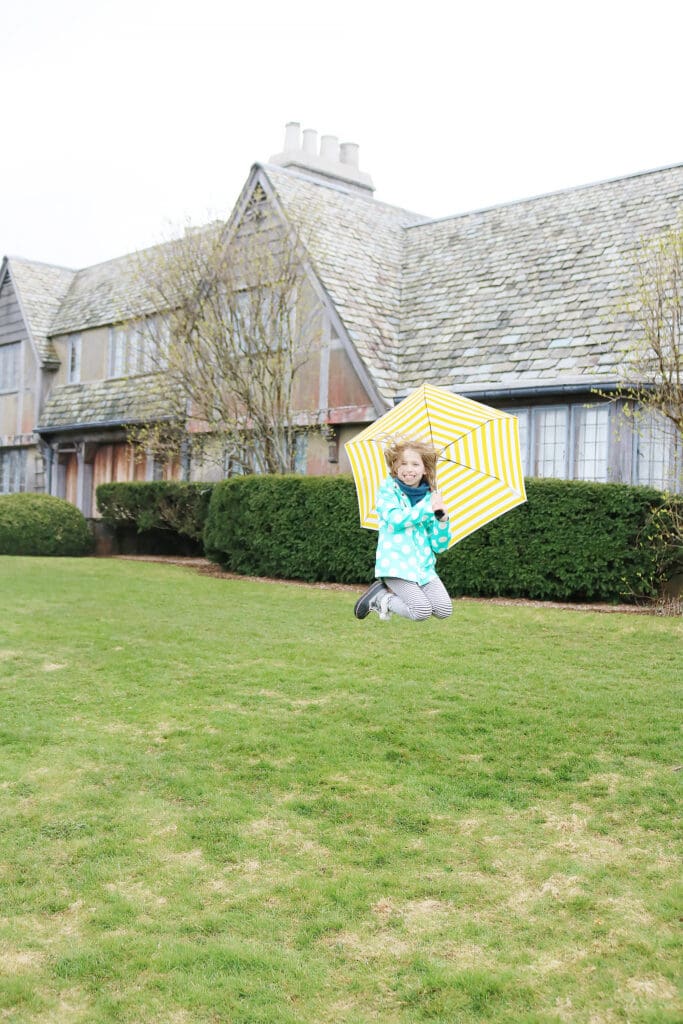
{"x": 228, "y": 801}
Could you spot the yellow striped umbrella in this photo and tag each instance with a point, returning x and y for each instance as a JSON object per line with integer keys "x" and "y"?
{"x": 479, "y": 471}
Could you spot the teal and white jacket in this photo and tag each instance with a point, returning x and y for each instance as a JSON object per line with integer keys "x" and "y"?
{"x": 410, "y": 536}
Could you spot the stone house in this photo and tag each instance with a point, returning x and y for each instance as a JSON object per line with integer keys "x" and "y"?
{"x": 512, "y": 305}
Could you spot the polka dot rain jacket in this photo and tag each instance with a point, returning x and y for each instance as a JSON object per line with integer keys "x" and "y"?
{"x": 410, "y": 536}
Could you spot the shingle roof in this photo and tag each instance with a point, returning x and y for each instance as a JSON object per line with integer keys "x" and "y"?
{"x": 120, "y": 400}
{"x": 356, "y": 246}
{"x": 527, "y": 292}
{"x": 40, "y": 288}
{"x": 103, "y": 294}
{"x": 508, "y": 296}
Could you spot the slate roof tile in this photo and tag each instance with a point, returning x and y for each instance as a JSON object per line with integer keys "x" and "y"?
{"x": 555, "y": 267}
{"x": 489, "y": 296}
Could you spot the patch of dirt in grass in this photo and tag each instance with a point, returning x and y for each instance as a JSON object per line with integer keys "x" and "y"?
{"x": 191, "y": 858}
{"x": 558, "y": 887}
{"x": 466, "y": 955}
{"x": 377, "y": 946}
{"x": 283, "y": 838}
{"x": 72, "y": 1007}
{"x": 557, "y": 960}
{"x": 424, "y": 912}
{"x": 52, "y": 666}
{"x": 652, "y": 988}
{"x": 137, "y": 893}
{"x": 630, "y": 910}
{"x": 6, "y": 655}
{"x": 20, "y": 961}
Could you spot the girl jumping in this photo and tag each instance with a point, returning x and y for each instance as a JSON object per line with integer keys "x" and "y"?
{"x": 413, "y": 529}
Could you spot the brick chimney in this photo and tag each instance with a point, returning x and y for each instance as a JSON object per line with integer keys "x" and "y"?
{"x": 332, "y": 162}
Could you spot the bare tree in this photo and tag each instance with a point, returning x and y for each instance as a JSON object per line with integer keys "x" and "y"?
{"x": 236, "y": 323}
{"x": 652, "y": 368}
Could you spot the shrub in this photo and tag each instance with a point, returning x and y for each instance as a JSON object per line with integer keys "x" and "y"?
{"x": 571, "y": 541}
{"x": 38, "y": 524}
{"x": 291, "y": 527}
{"x": 169, "y": 505}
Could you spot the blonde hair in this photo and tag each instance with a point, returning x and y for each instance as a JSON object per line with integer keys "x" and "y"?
{"x": 395, "y": 446}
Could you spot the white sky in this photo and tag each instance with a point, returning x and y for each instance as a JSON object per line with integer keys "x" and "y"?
{"x": 124, "y": 119}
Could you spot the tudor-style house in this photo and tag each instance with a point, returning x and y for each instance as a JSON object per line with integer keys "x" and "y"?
{"x": 513, "y": 306}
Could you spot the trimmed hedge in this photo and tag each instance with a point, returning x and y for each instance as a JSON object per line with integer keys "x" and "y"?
{"x": 168, "y": 505}
{"x": 38, "y": 524}
{"x": 571, "y": 541}
{"x": 290, "y": 527}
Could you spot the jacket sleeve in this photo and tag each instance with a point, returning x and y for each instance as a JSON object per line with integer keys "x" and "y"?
{"x": 394, "y": 514}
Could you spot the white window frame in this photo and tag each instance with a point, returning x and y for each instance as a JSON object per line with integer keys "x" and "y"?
{"x": 535, "y": 418}
{"x": 580, "y": 461}
{"x": 529, "y": 417}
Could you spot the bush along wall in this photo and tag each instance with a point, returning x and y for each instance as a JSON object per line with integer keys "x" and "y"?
{"x": 38, "y": 524}
{"x": 290, "y": 527}
{"x": 159, "y": 517}
{"x": 571, "y": 541}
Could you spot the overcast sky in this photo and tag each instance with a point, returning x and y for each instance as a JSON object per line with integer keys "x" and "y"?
{"x": 125, "y": 119}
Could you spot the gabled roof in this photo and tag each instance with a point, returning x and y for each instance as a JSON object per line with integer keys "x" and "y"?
{"x": 528, "y": 291}
{"x": 356, "y": 247}
{"x": 40, "y": 289}
{"x": 501, "y": 298}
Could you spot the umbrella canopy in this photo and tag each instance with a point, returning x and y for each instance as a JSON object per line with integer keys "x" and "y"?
{"x": 479, "y": 471}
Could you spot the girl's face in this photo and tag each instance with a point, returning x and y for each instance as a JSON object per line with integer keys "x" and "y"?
{"x": 410, "y": 468}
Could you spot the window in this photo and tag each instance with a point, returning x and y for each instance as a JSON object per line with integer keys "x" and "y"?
{"x": 591, "y": 435}
{"x": 118, "y": 343}
{"x": 73, "y": 357}
{"x": 550, "y": 436}
{"x": 659, "y": 459}
{"x": 12, "y": 470}
{"x": 9, "y": 367}
{"x": 132, "y": 346}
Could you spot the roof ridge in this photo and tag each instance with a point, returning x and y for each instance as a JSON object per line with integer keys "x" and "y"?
{"x": 548, "y": 195}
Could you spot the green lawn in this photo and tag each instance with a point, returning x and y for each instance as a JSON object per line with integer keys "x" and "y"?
{"x": 228, "y": 801}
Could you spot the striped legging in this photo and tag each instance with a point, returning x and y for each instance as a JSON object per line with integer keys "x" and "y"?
{"x": 415, "y": 602}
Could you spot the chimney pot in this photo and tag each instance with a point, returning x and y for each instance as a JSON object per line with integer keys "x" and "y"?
{"x": 292, "y": 141}
{"x": 349, "y": 153}
{"x": 310, "y": 141}
{"x": 329, "y": 148}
